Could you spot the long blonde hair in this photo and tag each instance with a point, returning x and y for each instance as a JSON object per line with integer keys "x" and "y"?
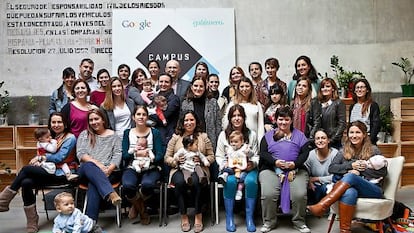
{"x": 365, "y": 151}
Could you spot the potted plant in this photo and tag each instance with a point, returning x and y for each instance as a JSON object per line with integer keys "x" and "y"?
{"x": 4, "y": 105}
{"x": 408, "y": 70}
{"x": 33, "y": 116}
{"x": 386, "y": 124}
{"x": 344, "y": 78}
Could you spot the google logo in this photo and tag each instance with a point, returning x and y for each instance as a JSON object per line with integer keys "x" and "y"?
{"x": 140, "y": 25}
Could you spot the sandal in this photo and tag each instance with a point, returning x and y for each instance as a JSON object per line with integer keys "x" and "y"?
{"x": 185, "y": 227}
{"x": 198, "y": 228}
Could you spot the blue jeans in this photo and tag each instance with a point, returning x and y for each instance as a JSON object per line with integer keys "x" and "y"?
{"x": 314, "y": 196}
{"x": 250, "y": 182}
{"x": 131, "y": 179}
{"x": 99, "y": 186}
{"x": 360, "y": 187}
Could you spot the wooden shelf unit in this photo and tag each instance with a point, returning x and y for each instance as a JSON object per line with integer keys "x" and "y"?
{"x": 403, "y": 134}
{"x": 17, "y": 147}
{"x": 25, "y": 144}
{"x": 25, "y": 136}
{"x": 7, "y": 137}
{"x": 7, "y": 155}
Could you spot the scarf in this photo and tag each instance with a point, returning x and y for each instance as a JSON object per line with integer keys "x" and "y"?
{"x": 70, "y": 158}
{"x": 284, "y": 149}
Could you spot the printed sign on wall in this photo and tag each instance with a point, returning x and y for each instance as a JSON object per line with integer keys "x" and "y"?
{"x": 186, "y": 35}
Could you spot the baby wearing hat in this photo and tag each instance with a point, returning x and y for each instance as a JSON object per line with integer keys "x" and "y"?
{"x": 376, "y": 162}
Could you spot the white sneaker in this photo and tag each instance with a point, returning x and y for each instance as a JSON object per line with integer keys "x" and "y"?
{"x": 239, "y": 195}
{"x": 266, "y": 228}
{"x": 303, "y": 229}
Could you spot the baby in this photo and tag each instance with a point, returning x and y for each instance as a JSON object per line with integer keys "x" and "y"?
{"x": 71, "y": 219}
{"x": 147, "y": 94}
{"x": 372, "y": 165}
{"x": 140, "y": 164}
{"x": 376, "y": 162}
{"x": 190, "y": 150}
{"x": 236, "y": 161}
{"x": 161, "y": 105}
{"x": 45, "y": 144}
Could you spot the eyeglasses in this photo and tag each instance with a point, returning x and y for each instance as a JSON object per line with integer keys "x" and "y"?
{"x": 360, "y": 87}
{"x": 213, "y": 81}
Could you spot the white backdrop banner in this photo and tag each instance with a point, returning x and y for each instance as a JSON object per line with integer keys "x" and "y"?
{"x": 186, "y": 35}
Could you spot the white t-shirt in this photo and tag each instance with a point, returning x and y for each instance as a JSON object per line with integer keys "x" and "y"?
{"x": 122, "y": 119}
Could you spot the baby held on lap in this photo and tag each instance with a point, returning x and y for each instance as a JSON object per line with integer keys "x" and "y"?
{"x": 376, "y": 162}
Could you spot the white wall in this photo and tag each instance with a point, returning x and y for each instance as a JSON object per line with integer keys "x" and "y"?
{"x": 366, "y": 35}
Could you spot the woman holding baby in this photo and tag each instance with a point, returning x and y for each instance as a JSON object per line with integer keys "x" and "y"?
{"x": 237, "y": 122}
{"x": 34, "y": 176}
{"x": 284, "y": 149}
{"x": 188, "y": 125}
{"x": 146, "y": 176}
{"x": 357, "y": 175}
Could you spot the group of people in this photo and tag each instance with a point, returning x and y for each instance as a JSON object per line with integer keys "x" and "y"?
{"x": 134, "y": 129}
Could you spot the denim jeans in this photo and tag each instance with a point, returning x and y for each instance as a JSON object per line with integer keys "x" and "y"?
{"x": 250, "y": 182}
{"x": 360, "y": 187}
{"x": 314, "y": 196}
{"x": 99, "y": 186}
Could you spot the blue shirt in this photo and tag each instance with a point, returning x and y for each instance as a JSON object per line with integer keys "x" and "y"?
{"x": 56, "y": 104}
{"x": 77, "y": 222}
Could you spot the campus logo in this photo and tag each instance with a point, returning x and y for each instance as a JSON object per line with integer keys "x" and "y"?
{"x": 171, "y": 45}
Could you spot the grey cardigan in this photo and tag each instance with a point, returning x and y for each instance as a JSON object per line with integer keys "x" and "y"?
{"x": 211, "y": 115}
{"x": 111, "y": 117}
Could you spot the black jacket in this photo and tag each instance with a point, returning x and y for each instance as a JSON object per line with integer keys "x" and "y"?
{"x": 334, "y": 119}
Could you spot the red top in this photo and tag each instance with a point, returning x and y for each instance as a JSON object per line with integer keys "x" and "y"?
{"x": 78, "y": 120}
{"x": 97, "y": 97}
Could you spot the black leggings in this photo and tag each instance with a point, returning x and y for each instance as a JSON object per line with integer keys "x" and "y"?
{"x": 180, "y": 191}
{"x": 31, "y": 177}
